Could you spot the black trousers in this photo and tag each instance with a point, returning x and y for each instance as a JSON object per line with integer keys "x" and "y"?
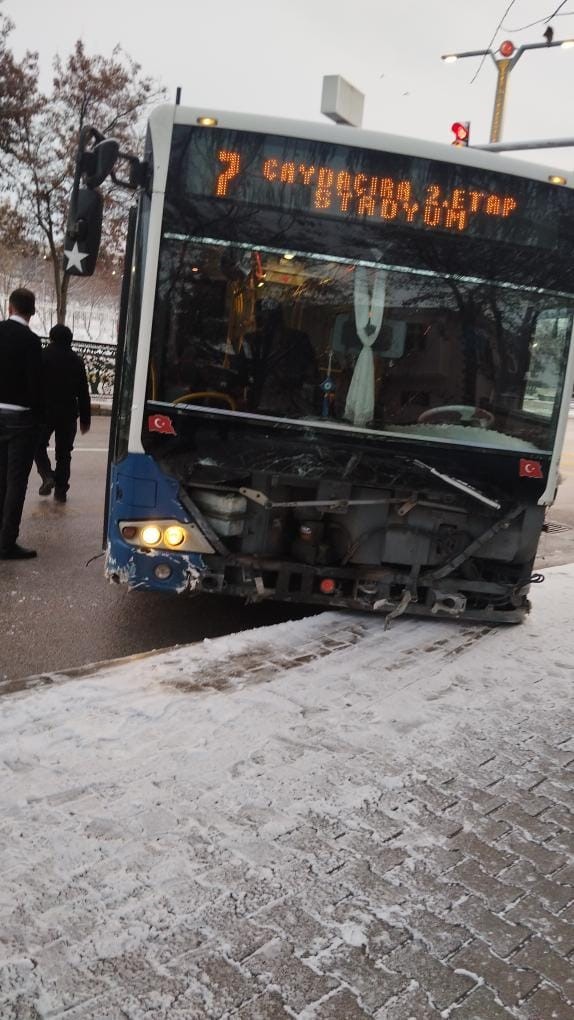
{"x": 18, "y": 438}
{"x": 64, "y": 430}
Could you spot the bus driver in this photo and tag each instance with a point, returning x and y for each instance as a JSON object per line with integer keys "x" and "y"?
{"x": 277, "y": 365}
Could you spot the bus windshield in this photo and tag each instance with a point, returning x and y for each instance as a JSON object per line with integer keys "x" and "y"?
{"x": 340, "y": 343}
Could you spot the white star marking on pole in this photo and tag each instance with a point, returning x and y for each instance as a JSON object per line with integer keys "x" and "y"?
{"x": 74, "y": 257}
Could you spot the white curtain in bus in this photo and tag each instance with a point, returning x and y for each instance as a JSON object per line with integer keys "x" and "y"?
{"x": 369, "y": 309}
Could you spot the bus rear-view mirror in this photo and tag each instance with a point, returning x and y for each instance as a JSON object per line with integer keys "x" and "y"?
{"x": 98, "y": 163}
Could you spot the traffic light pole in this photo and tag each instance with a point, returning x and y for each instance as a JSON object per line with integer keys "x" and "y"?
{"x": 503, "y": 69}
{"x": 510, "y": 55}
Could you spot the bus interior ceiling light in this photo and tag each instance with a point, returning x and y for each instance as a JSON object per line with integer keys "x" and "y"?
{"x": 207, "y": 121}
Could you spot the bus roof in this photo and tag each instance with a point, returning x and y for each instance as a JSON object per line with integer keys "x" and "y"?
{"x": 359, "y": 138}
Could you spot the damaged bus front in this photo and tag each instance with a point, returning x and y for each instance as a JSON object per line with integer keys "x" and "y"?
{"x": 345, "y": 371}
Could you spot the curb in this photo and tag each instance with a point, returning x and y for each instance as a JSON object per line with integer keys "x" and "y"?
{"x": 101, "y": 409}
{"x": 59, "y": 676}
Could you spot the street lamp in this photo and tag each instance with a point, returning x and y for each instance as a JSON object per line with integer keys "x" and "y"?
{"x": 509, "y": 57}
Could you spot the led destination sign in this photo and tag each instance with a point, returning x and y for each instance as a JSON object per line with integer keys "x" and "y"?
{"x": 342, "y": 192}
{"x": 317, "y": 195}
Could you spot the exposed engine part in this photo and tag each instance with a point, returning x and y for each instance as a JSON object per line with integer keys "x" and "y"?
{"x": 310, "y": 546}
{"x": 256, "y": 496}
{"x": 407, "y": 506}
{"x": 225, "y": 511}
{"x": 336, "y": 505}
{"x": 448, "y": 602}
{"x": 499, "y": 525}
{"x": 199, "y": 518}
{"x": 333, "y": 505}
{"x": 391, "y": 549}
{"x": 406, "y": 599}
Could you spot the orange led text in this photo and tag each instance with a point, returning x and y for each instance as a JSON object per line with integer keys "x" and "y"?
{"x": 367, "y": 195}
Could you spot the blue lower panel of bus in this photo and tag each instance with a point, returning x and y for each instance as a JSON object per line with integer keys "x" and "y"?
{"x": 139, "y": 491}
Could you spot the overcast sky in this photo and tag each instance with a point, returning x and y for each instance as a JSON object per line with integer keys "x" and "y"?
{"x": 267, "y": 56}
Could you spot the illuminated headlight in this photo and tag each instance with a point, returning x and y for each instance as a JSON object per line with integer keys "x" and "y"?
{"x": 174, "y": 535}
{"x": 166, "y": 535}
{"x": 151, "y": 534}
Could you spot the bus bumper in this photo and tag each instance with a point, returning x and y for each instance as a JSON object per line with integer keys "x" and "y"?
{"x": 153, "y": 570}
{"x": 140, "y": 491}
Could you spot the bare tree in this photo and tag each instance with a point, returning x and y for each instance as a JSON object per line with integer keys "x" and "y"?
{"x": 18, "y": 88}
{"x": 109, "y": 93}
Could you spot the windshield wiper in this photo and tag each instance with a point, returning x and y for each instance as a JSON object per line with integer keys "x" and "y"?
{"x": 456, "y": 483}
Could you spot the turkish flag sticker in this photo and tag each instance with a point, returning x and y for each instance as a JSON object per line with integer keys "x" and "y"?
{"x": 530, "y": 468}
{"x": 161, "y": 423}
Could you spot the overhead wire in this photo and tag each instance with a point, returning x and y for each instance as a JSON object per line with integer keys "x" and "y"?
{"x": 500, "y": 23}
{"x": 542, "y": 21}
{"x": 553, "y": 15}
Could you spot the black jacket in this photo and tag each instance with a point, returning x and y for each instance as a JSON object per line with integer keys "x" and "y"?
{"x": 280, "y": 369}
{"x": 65, "y": 385}
{"x": 20, "y": 367}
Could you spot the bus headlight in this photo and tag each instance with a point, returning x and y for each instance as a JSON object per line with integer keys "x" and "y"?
{"x": 151, "y": 535}
{"x": 165, "y": 534}
{"x": 174, "y": 535}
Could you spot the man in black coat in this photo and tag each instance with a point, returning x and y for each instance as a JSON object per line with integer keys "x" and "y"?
{"x": 66, "y": 395}
{"x": 21, "y": 409}
{"x": 278, "y": 366}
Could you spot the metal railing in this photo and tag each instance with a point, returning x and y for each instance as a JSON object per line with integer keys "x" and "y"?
{"x": 100, "y": 361}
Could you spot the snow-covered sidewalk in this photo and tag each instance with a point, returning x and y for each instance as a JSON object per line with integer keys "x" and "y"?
{"x": 317, "y": 820}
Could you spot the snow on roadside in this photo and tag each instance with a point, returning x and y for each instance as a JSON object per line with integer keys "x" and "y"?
{"x": 123, "y": 792}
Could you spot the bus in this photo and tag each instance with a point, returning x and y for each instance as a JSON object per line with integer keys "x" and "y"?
{"x": 344, "y": 364}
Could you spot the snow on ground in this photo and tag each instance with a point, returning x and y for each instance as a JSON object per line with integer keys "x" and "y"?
{"x": 155, "y": 816}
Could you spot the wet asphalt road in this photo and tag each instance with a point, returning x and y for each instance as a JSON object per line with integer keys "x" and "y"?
{"x": 58, "y": 612}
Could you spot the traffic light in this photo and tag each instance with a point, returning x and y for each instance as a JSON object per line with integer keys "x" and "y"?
{"x": 461, "y": 130}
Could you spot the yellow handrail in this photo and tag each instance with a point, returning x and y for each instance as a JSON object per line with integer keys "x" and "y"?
{"x": 206, "y": 394}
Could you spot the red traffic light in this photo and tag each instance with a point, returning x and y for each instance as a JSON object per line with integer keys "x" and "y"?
{"x": 461, "y": 131}
{"x": 507, "y": 48}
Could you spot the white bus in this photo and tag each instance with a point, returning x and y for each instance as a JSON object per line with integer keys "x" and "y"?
{"x": 344, "y": 364}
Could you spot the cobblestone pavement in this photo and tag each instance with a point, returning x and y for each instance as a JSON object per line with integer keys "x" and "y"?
{"x": 447, "y": 893}
{"x": 481, "y": 928}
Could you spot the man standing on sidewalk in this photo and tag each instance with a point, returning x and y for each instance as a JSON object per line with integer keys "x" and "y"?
{"x": 21, "y": 408}
{"x": 67, "y": 395}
